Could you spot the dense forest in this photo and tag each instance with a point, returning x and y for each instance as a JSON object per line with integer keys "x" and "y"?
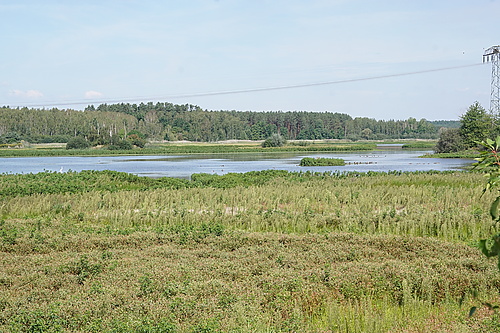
{"x": 167, "y": 121}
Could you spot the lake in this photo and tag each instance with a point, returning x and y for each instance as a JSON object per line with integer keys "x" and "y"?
{"x": 385, "y": 158}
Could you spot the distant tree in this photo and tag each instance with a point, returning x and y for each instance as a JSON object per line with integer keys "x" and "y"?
{"x": 275, "y": 140}
{"x": 189, "y": 122}
{"x": 77, "y": 143}
{"x": 120, "y": 145}
{"x": 11, "y": 137}
{"x": 366, "y": 133}
{"x": 450, "y": 141}
{"x": 139, "y": 134}
{"x": 445, "y": 123}
{"x": 476, "y": 125}
{"x": 136, "y": 140}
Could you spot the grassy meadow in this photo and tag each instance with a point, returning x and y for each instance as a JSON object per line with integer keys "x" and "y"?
{"x": 266, "y": 251}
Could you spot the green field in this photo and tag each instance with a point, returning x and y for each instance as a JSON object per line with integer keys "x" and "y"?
{"x": 267, "y": 251}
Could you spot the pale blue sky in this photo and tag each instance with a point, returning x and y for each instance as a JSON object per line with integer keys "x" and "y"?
{"x": 74, "y": 53}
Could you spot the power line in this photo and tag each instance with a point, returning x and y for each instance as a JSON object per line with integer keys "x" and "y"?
{"x": 242, "y": 91}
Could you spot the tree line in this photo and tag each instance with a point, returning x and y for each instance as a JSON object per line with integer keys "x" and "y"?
{"x": 167, "y": 121}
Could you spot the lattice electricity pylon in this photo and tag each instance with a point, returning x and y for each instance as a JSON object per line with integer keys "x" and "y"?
{"x": 493, "y": 55}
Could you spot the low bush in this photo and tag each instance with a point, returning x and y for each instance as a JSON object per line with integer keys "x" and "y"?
{"x": 120, "y": 145}
{"x": 77, "y": 143}
{"x": 450, "y": 141}
{"x": 274, "y": 140}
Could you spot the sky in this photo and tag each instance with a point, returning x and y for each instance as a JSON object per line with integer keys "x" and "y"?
{"x": 382, "y": 59}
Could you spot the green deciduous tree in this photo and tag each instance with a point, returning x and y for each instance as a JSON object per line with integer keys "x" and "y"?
{"x": 450, "y": 141}
{"x": 476, "y": 125}
{"x": 366, "y": 133}
{"x": 77, "y": 143}
{"x": 275, "y": 140}
{"x": 136, "y": 140}
{"x": 118, "y": 144}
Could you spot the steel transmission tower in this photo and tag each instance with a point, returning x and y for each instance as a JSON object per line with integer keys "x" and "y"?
{"x": 493, "y": 55}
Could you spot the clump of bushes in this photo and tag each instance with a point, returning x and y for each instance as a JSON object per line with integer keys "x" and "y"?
{"x": 450, "y": 141}
{"x": 120, "y": 145}
{"x": 300, "y": 143}
{"x": 323, "y": 161}
{"x": 274, "y": 140}
{"x": 77, "y": 143}
{"x": 137, "y": 140}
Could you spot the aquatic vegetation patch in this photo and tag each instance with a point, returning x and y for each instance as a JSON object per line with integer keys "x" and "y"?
{"x": 321, "y": 161}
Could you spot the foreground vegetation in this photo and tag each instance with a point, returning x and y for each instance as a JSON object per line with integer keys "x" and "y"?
{"x": 267, "y": 251}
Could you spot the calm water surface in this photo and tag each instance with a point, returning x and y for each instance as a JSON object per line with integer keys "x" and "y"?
{"x": 384, "y": 159}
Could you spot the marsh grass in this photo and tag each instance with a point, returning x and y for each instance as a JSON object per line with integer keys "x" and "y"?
{"x": 261, "y": 252}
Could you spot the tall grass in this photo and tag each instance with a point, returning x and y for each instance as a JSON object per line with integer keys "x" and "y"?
{"x": 444, "y": 206}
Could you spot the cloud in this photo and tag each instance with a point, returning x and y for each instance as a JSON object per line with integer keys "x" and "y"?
{"x": 92, "y": 94}
{"x": 26, "y": 94}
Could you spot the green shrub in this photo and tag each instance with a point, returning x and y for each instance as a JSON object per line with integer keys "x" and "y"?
{"x": 450, "y": 141}
{"x": 77, "y": 143}
{"x": 136, "y": 140}
{"x": 300, "y": 143}
{"x": 274, "y": 140}
{"x": 120, "y": 145}
{"x": 83, "y": 269}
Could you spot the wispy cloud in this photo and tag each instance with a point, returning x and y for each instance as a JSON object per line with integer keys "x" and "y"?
{"x": 26, "y": 94}
{"x": 93, "y": 94}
